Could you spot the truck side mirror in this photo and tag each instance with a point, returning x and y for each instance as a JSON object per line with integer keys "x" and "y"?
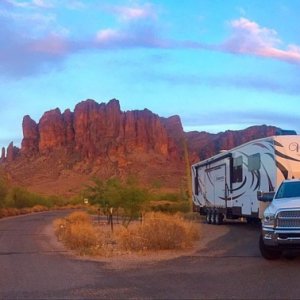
{"x": 265, "y": 196}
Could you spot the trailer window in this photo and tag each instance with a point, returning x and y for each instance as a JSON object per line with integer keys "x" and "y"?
{"x": 254, "y": 162}
{"x": 196, "y": 184}
{"x": 237, "y": 172}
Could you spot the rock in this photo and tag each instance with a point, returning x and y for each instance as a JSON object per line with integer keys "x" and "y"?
{"x": 207, "y": 145}
{"x": 52, "y": 131}
{"x": 30, "y": 142}
{"x": 69, "y": 129}
{"x": 12, "y": 152}
{"x": 2, "y": 158}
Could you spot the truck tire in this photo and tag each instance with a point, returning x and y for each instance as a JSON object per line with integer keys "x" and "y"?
{"x": 267, "y": 252}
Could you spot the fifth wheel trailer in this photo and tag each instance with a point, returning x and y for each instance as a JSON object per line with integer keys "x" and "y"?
{"x": 226, "y": 184}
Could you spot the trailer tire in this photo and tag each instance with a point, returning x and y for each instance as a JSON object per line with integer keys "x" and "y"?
{"x": 218, "y": 218}
{"x": 266, "y": 252}
{"x": 213, "y": 217}
{"x": 209, "y": 217}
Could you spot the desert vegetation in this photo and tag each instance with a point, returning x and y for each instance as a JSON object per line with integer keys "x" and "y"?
{"x": 17, "y": 200}
{"x": 131, "y": 201}
{"x": 121, "y": 200}
{"x": 157, "y": 231}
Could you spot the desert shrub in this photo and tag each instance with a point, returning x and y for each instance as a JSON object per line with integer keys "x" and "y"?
{"x": 3, "y": 192}
{"x": 55, "y": 201}
{"x": 9, "y": 212}
{"x": 158, "y": 232}
{"x": 128, "y": 197}
{"x": 78, "y": 217}
{"x": 169, "y": 197}
{"x": 18, "y": 197}
{"x": 39, "y": 208}
{"x": 170, "y": 207}
{"x": 77, "y": 232}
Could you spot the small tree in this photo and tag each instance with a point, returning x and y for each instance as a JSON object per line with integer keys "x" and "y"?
{"x": 95, "y": 192}
{"x": 113, "y": 194}
{"x": 133, "y": 201}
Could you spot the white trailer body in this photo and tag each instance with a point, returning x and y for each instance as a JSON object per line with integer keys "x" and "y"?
{"x": 227, "y": 184}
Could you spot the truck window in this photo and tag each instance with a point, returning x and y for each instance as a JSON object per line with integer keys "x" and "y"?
{"x": 254, "y": 162}
{"x": 237, "y": 172}
{"x": 288, "y": 190}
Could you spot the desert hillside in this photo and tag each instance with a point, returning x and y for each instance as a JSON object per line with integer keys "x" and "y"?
{"x": 63, "y": 151}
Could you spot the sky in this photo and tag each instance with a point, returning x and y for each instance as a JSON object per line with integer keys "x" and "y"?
{"x": 219, "y": 65}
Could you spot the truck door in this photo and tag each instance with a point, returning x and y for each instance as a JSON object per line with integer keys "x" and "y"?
{"x": 215, "y": 182}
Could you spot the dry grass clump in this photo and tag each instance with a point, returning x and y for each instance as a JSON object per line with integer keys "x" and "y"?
{"x": 77, "y": 232}
{"x": 11, "y": 211}
{"x": 159, "y": 232}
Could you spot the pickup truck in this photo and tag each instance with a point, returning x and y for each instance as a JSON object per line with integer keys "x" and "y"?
{"x": 281, "y": 220}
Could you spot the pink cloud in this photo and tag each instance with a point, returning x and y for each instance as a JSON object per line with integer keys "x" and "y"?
{"x": 42, "y": 3}
{"x": 132, "y": 13}
{"x": 108, "y": 35}
{"x": 52, "y": 44}
{"x": 33, "y": 3}
{"x": 250, "y": 38}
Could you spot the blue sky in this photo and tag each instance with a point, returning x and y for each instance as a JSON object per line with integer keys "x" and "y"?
{"x": 218, "y": 64}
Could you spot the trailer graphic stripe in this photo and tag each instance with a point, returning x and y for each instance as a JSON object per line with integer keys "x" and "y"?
{"x": 286, "y": 156}
{"x": 252, "y": 173}
{"x": 278, "y": 144}
{"x": 271, "y": 155}
{"x": 282, "y": 169}
{"x": 238, "y": 188}
{"x": 271, "y": 187}
{"x": 257, "y": 174}
{"x": 232, "y": 198}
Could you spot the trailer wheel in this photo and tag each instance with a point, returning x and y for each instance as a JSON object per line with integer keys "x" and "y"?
{"x": 209, "y": 217}
{"x": 266, "y": 252}
{"x": 218, "y": 218}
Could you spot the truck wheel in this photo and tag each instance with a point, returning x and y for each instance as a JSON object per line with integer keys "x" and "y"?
{"x": 266, "y": 252}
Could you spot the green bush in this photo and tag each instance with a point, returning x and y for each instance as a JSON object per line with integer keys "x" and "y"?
{"x": 115, "y": 194}
{"x": 3, "y": 193}
{"x": 18, "y": 197}
{"x": 170, "y": 207}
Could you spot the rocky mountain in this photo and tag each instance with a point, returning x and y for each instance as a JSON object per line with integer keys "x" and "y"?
{"x": 63, "y": 151}
{"x": 205, "y": 144}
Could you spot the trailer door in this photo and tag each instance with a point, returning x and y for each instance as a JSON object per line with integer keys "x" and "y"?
{"x": 215, "y": 182}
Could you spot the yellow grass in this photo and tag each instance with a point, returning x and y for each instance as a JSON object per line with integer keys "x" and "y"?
{"x": 10, "y": 211}
{"x": 77, "y": 232}
{"x": 157, "y": 232}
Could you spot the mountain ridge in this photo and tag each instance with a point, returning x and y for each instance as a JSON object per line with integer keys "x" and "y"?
{"x": 64, "y": 150}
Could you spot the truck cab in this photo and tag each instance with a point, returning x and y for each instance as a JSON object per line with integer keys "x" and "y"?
{"x": 281, "y": 220}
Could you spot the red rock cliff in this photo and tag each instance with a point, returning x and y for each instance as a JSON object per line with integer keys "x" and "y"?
{"x": 97, "y": 129}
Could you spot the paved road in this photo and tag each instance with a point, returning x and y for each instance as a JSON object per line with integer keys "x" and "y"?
{"x": 228, "y": 265}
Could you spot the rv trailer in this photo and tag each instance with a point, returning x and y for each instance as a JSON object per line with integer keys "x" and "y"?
{"x": 226, "y": 184}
